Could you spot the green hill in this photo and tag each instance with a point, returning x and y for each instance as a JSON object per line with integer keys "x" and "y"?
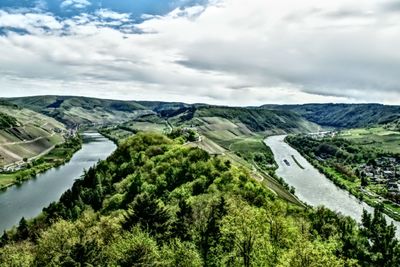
{"x": 258, "y": 120}
{"x": 344, "y": 115}
{"x": 82, "y": 110}
{"x": 157, "y": 203}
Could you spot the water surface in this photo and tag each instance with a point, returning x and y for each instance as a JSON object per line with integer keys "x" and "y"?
{"x": 311, "y": 186}
{"x": 28, "y": 199}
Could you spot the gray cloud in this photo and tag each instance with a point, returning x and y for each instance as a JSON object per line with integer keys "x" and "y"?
{"x": 390, "y": 6}
{"x": 228, "y": 53}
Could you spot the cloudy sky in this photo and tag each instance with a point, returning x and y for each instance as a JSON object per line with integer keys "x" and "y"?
{"x": 231, "y": 52}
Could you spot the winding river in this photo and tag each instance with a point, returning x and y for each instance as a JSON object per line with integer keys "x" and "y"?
{"x": 28, "y": 199}
{"x": 312, "y": 187}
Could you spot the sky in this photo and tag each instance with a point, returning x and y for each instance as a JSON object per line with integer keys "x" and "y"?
{"x": 229, "y": 52}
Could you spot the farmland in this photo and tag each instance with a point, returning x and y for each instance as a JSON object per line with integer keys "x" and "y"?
{"x": 377, "y": 137}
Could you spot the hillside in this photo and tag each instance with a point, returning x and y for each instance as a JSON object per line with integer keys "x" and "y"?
{"x": 259, "y": 120}
{"x": 26, "y": 134}
{"x": 157, "y": 203}
{"x": 345, "y": 115}
{"x": 82, "y": 110}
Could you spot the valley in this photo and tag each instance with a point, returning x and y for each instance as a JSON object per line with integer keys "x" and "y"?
{"x": 212, "y": 166}
{"x": 28, "y": 199}
{"x": 31, "y": 143}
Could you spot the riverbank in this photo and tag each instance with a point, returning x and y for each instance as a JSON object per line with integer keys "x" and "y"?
{"x": 56, "y": 157}
{"x": 355, "y": 189}
{"x": 312, "y": 187}
{"x": 29, "y": 199}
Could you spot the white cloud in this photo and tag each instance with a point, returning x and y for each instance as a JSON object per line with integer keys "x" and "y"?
{"x": 109, "y": 14}
{"x": 232, "y": 52}
{"x": 31, "y": 22}
{"x": 75, "y": 3}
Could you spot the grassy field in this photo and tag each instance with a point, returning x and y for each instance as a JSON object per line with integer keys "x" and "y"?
{"x": 378, "y": 137}
{"x": 147, "y": 126}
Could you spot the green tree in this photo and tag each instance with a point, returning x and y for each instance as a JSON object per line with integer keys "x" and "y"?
{"x": 147, "y": 212}
{"x": 383, "y": 246}
{"x": 135, "y": 248}
{"x": 22, "y": 229}
{"x": 180, "y": 254}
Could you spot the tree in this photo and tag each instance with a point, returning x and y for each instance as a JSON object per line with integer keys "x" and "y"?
{"x": 22, "y": 229}
{"x": 147, "y": 212}
{"x": 180, "y": 254}
{"x": 211, "y": 233}
{"x": 184, "y": 217}
{"x": 4, "y": 239}
{"x": 246, "y": 228}
{"x": 135, "y": 248}
{"x": 383, "y": 245}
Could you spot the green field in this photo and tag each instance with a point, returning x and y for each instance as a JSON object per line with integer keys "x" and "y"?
{"x": 378, "y": 137}
{"x": 147, "y": 126}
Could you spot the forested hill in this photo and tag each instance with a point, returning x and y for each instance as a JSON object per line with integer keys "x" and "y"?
{"x": 344, "y": 115}
{"x": 155, "y": 202}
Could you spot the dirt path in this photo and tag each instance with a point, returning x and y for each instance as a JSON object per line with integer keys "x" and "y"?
{"x": 27, "y": 141}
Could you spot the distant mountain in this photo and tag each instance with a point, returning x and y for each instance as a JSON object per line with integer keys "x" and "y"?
{"x": 254, "y": 119}
{"x": 81, "y": 110}
{"x": 258, "y": 120}
{"x": 344, "y": 115}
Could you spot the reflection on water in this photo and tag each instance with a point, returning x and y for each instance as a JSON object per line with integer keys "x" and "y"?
{"x": 28, "y": 199}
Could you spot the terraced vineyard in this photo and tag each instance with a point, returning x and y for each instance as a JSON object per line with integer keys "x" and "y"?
{"x": 30, "y": 135}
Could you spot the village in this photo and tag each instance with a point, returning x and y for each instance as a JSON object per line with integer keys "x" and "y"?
{"x": 385, "y": 170}
{"x": 321, "y": 135}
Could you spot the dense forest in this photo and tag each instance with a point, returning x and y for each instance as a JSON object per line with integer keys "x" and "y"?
{"x": 155, "y": 202}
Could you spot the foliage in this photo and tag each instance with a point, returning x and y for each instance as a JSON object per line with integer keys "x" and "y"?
{"x": 155, "y": 202}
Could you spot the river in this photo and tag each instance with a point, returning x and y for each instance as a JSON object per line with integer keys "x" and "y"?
{"x": 28, "y": 200}
{"x": 311, "y": 186}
